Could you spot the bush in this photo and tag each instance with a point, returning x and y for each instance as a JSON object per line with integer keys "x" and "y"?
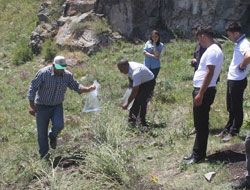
{"x": 22, "y": 52}
{"x": 49, "y": 50}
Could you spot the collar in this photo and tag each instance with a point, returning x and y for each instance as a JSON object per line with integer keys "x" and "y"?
{"x": 130, "y": 71}
{"x": 52, "y": 70}
{"x": 240, "y": 38}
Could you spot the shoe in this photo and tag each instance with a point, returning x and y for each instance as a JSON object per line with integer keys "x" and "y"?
{"x": 221, "y": 134}
{"x": 193, "y": 132}
{"x": 243, "y": 184}
{"x": 52, "y": 141}
{"x": 45, "y": 157}
{"x": 132, "y": 121}
{"x": 227, "y": 138}
{"x": 194, "y": 160}
{"x": 188, "y": 157}
{"x": 144, "y": 124}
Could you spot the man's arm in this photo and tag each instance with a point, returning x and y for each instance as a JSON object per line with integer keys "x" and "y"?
{"x": 245, "y": 61}
{"x": 87, "y": 89}
{"x": 35, "y": 84}
{"x": 208, "y": 77}
{"x": 32, "y": 109}
{"x": 131, "y": 97}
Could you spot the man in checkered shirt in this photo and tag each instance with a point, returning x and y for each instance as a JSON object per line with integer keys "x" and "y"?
{"x": 46, "y": 95}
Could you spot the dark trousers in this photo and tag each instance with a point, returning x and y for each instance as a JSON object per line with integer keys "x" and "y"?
{"x": 235, "y": 90}
{"x": 155, "y": 72}
{"x": 141, "y": 100}
{"x": 201, "y": 119}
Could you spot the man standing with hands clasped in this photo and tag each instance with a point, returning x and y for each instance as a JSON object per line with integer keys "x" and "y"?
{"x": 46, "y": 96}
{"x": 204, "y": 82}
{"x": 236, "y": 81}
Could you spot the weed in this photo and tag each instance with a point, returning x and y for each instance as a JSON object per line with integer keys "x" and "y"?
{"x": 49, "y": 50}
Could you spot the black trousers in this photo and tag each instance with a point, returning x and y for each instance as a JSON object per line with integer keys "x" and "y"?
{"x": 235, "y": 90}
{"x": 201, "y": 119}
{"x": 141, "y": 101}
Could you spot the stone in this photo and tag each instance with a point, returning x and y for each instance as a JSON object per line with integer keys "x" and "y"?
{"x": 209, "y": 176}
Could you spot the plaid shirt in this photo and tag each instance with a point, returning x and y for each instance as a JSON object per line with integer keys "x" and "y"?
{"x": 48, "y": 89}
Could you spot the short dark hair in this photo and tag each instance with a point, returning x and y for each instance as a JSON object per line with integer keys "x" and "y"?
{"x": 123, "y": 62}
{"x": 196, "y": 26}
{"x": 234, "y": 27}
{"x": 205, "y": 29}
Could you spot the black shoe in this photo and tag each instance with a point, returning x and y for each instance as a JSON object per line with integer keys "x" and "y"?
{"x": 243, "y": 184}
{"x": 188, "y": 157}
{"x": 194, "y": 160}
{"x": 52, "y": 141}
{"x": 45, "y": 157}
{"x": 144, "y": 124}
{"x": 132, "y": 121}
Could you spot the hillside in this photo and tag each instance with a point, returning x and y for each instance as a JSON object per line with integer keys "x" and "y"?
{"x": 99, "y": 151}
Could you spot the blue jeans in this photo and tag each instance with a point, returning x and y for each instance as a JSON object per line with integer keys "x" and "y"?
{"x": 43, "y": 116}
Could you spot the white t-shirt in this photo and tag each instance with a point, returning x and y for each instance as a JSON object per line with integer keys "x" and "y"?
{"x": 139, "y": 73}
{"x": 239, "y": 50}
{"x": 212, "y": 56}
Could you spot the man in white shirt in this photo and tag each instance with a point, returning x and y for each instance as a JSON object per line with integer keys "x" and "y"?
{"x": 204, "y": 83}
{"x": 142, "y": 81}
{"x": 236, "y": 81}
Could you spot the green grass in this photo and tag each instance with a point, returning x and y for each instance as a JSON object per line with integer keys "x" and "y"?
{"x": 99, "y": 150}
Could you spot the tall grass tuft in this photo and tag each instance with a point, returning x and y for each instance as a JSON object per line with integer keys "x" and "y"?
{"x": 22, "y": 52}
{"x": 49, "y": 50}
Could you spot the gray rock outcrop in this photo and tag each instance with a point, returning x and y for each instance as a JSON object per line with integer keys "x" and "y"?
{"x": 172, "y": 17}
{"x": 73, "y": 30}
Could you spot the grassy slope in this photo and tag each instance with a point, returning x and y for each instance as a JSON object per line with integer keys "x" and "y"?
{"x": 101, "y": 151}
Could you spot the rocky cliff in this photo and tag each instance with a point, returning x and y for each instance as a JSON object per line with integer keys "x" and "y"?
{"x": 172, "y": 17}
{"x": 78, "y": 24}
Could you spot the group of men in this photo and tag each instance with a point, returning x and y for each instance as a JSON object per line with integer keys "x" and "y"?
{"x": 47, "y": 90}
{"x": 208, "y": 60}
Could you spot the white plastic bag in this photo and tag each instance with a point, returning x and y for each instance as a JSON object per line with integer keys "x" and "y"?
{"x": 126, "y": 96}
{"x": 92, "y": 102}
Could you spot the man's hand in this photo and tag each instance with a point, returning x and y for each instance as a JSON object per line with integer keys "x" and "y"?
{"x": 241, "y": 68}
{"x": 125, "y": 106}
{"x": 193, "y": 62}
{"x": 32, "y": 111}
{"x": 198, "y": 99}
{"x": 92, "y": 87}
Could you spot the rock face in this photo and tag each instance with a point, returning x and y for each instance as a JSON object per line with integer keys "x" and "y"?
{"x": 72, "y": 30}
{"x": 172, "y": 17}
{"x": 133, "y": 19}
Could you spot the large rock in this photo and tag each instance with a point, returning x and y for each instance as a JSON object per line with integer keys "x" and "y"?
{"x": 73, "y": 7}
{"x": 76, "y": 36}
{"x": 172, "y": 17}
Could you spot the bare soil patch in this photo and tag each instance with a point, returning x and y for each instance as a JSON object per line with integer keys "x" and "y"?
{"x": 234, "y": 157}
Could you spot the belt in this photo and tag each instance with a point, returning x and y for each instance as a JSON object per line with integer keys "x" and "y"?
{"x": 209, "y": 88}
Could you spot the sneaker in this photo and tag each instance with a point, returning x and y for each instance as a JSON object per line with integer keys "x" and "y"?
{"x": 193, "y": 132}
{"x": 243, "y": 184}
{"x": 227, "y": 138}
{"x": 221, "y": 134}
{"x": 52, "y": 141}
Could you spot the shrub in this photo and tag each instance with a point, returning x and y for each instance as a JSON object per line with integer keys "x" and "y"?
{"x": 22, "y": 52}
{"x": 49, "y": 50}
